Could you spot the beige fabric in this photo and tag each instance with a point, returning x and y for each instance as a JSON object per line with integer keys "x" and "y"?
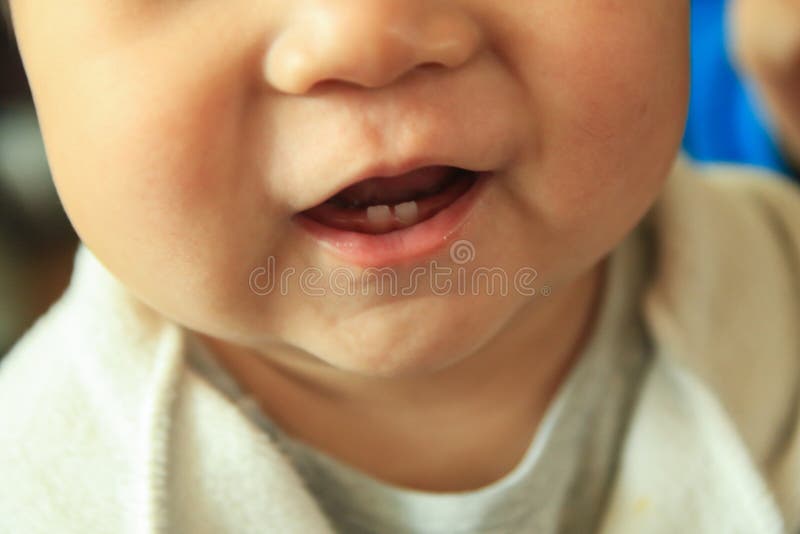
{"x": 726, "y": 306}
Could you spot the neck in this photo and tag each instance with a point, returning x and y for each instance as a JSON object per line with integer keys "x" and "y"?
{"x": 426, "y": 432}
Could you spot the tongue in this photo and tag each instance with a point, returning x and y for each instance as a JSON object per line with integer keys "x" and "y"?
{"x": 383, "y": 190}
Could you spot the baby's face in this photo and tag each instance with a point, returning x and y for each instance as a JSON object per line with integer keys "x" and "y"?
{"x": 202, "y": 149}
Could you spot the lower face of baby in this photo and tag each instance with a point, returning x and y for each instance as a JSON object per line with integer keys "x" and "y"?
{"x": 384, "y": 187}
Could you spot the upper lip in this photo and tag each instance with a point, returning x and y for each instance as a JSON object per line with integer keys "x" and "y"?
{"x": 389, "y": 170}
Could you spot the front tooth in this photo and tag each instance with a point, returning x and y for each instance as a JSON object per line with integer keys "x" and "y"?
{"x": 407, "y": 213}
{"x": 379, "y": 215}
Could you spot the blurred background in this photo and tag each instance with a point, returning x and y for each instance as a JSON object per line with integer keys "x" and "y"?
{"x": 36, "y": 240}
{"x": 37, "y": 245}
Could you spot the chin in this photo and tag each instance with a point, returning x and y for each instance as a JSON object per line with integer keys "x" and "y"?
{"x": 404, "y": 352}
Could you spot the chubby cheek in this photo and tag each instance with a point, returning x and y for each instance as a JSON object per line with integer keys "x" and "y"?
{"x": 609, "y": 91}
{"x": 153, "y": 175}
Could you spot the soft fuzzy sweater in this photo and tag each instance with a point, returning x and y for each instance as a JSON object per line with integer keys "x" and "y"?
{"x": 104, "y": 428}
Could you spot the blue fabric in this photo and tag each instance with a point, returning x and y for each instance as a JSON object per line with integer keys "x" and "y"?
{"x": 725, "y": 122}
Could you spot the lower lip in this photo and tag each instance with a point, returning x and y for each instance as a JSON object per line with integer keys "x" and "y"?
{"x": 401, "y": 246}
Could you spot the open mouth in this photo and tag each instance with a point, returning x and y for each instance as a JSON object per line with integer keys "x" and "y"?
{"x": 381, "y": 205}
{"x": 384, "y": 221}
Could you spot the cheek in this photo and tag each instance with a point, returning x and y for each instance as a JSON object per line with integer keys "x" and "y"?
{"x": 153, "y": 159}
{"x": 609, "y": 92}
{"x": 153, "y": 170}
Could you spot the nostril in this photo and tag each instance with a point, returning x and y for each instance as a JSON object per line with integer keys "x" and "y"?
{"x": 332, "y": 83}
{"x": 368, "y": 49}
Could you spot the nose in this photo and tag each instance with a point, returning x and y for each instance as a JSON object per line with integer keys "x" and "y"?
{"x": 369, "y": 43}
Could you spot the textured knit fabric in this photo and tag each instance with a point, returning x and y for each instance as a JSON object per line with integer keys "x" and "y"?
{"x": 560, "y": 484}
{"x": 105, "y": 428}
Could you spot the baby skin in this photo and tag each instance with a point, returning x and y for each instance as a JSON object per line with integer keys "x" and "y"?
{"x": 192, "y": 141}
